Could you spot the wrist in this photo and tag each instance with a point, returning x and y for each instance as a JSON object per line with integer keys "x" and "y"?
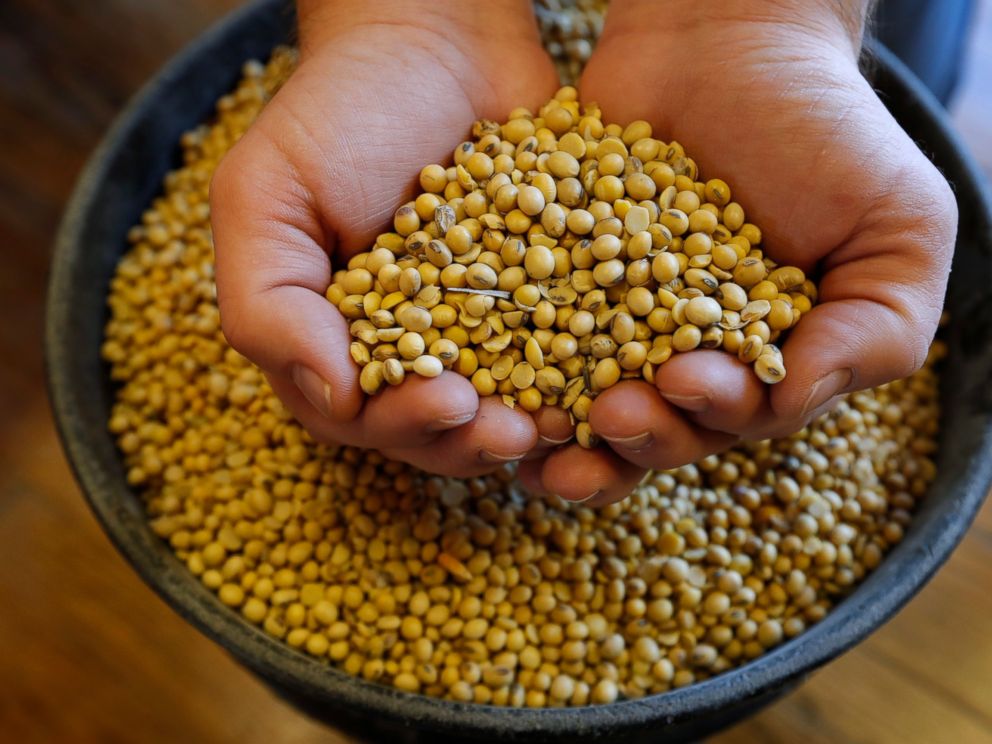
{"x": 840, "y": 23}
{"x": 465, "y": 24}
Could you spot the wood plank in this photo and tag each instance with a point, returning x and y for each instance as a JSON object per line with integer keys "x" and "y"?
{"x": 861, "y": 698}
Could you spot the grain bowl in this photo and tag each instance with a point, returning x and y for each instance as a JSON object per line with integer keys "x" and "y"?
{"x": 126, "y": 173}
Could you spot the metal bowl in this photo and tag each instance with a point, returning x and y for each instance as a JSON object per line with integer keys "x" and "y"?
{"x": 126, "y": 172}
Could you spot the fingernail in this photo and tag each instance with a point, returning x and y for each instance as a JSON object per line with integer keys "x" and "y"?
{"x": 548, "y": 442}
{"x": 823, "y": 408}
{"x": 694, "y": 403}
{"x": 590, "y": 497}
{"x": 493, "y": 458}
{"x": 825, "y": 388}
{"x": 443, "y": 424}
{"x": 634, "y": 443}
{"x": 315, "y": 389}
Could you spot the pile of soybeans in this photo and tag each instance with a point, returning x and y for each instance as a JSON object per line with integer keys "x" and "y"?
{"x": 473, "y": 590}
{"x": 559, "y": 256}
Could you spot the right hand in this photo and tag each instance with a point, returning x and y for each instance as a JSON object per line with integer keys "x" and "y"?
{"x": 321, "y": 172}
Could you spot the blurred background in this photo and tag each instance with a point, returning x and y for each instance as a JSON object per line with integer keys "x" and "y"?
{"x": 89, "y": 654}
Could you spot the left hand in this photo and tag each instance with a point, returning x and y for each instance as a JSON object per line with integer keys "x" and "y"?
{"x": 316, "y": 176}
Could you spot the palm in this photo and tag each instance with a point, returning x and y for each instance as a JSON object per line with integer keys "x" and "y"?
{"x": 356, "y": 125}
{"x": 822, "y": 167}
{"x": 799, "y": 135}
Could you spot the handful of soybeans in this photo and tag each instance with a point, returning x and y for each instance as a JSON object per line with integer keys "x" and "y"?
{"x": 559, "y": 256}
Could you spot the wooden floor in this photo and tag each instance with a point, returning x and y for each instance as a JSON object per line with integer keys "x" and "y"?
{"x": 89, "y": 654}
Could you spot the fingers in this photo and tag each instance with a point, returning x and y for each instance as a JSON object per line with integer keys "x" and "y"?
{"x": 602, "y": 476}
{"x": 640, "y": 426}
{"x": 496, "y": 435}
{"x": 409, "y": 415}
{"x": 415, "y": 411}
{"x": 529, "y": 473}
{"x": 554, "y": 428}
{"x": 595, "y": 476}
{"x": 840, "y": 347}
{"x": 272, "y": 270}
{"x": 423, "y": 422}
{"x": 880, "y": 302}
{"x": 715, "y": 390}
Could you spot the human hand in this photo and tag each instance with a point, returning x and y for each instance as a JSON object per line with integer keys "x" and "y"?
{"x": 768, "y": 97}
{"x": 381, "y": 90}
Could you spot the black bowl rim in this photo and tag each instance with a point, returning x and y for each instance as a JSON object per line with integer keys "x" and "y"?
{"x": 854, "y": 619}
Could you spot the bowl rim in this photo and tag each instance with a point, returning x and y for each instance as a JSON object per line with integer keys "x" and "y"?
{"x": 846, "y": 625}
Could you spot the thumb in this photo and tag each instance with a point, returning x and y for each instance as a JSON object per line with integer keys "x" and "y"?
{"x": 880, "y": 302}
{"x": 272, "y": 272}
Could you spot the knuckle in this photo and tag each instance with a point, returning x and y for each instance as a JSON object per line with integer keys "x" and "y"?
{"x": 918, "y": 325}
{"x": 904, "y": 350}
{"x": 225, "y": 182}
{"x": 240, "y": 321}
{"x": 947, "y": 201}
{"x": 937, "y": 214}
{"x": 943, "y": 223}
{"x": 232, "y": 324}
{"x": 914, "y": 355}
